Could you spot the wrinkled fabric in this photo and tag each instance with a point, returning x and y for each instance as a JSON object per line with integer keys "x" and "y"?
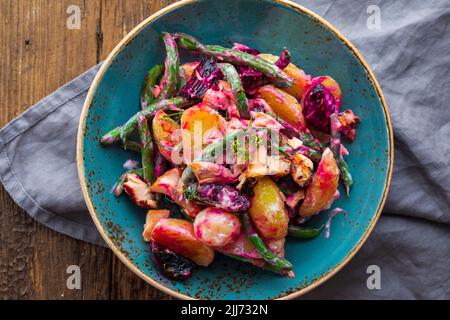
{"x": 38, "y": 161}
{"x": 413, "y": 256}
{"x": 410, "y": 55}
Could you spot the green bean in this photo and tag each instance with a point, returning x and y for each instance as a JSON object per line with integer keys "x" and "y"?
{"x": 234, "y": 80}
{"x": 132, "y": 145}
{"x": 236, "y": 57}
{"x": 147, "y": 154}
{"x": 149, "y": 84}
{"x": 121, "y": 133}
{"x": 304, "y": 233}
{"x": 169, "y": 82}
{"x": 181, "y": 79}
{"x": 312, "y": 154}
{"x": 265, "y": 265}
{"x": 277, "y": 262}
{"x": 346, "y": 176}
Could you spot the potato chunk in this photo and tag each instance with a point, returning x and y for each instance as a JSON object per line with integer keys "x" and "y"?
{"x": 268, "y": 210}
{"x": 301, "y": 169}
{"x": 139, "y": 192}
{"x": 216, "y": 227}
{"x": 283, "y": 104}
{"x": 322, "y": 190}
{"x": 152, "y": 218}
{"x": 178, "y": 236}
{"x": 301, "y": 80}
{"x": 201, "y": 125}
{"x": 171, "y": 185}
{"x": 167, "y": 134}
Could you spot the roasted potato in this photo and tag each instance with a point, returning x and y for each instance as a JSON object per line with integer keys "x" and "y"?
{"x": 216, "y": 227}
{"x": 272, "y": 166}
{"x": 283, "y": 104}
{"x": 189, "y": 68}
{"x": 167, "y": 134}
{"x": 263, "y": 120}
{"x": 152, "y": 218}
{"x": 322, "y": 190}
{"x": 201, "y": 125}
{"x": 302, "y": 81}
{"x": 268, "y": 210}
{"x": 139, "y": 192}
{"x": 301, "y": 169}
{"x": 167, "y": 184}
{"x": 178, "y": 236}
{"x": 221, "y": 97}
{"x": 242, "y": 247}
{"x": 263, "y": 164}
{"x": 171, "y": 185}
{"x": 208, "y": 172}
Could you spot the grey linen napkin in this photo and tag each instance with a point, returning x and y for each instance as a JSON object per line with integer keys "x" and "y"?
{"x": 38, "y": 165}
{"x": 410, "y": 54}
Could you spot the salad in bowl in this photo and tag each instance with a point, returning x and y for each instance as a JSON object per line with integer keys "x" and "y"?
{"x": 238, "y": 150}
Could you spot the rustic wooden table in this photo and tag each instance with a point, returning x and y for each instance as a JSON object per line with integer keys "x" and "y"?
{"x": 38, "y": 54}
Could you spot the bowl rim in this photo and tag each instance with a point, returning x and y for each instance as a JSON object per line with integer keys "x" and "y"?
{"x": 88, "y": 102}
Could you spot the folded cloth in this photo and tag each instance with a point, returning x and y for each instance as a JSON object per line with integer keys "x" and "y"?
{"x": 410, "y": 56}
{"x": 38, "y": 165}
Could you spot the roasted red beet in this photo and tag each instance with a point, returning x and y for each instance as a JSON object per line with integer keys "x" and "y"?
{"x": 318, "y": 105}
{"x": 204, "y": 77}
{"x": 170, "y": 264}
{"x": 251, "y": 78}
{"x": 284, "y": 60}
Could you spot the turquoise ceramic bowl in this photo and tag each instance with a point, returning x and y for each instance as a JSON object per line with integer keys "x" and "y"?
{"x": 268, "y": 26}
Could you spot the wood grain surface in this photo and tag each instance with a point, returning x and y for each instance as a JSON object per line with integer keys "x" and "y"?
{"x": 38, "y": 54}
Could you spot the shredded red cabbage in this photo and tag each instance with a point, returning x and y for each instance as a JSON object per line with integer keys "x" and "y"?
{"x": 318, "y": 105}
{"x": 332, "y": 214}
{"x": 223, "y": 197}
